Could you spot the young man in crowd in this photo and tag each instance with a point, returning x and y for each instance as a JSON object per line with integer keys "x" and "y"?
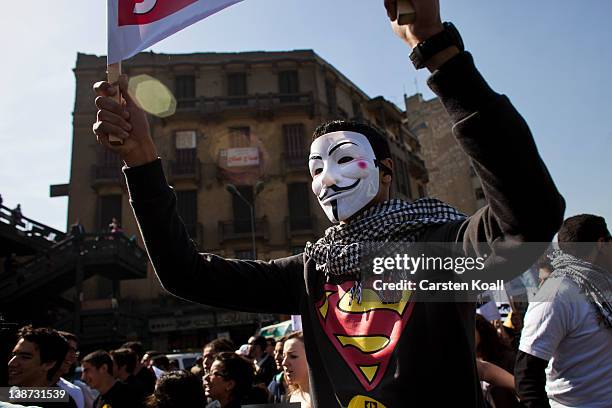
{"x": 362, "y": 348}
{"x": 38, "y": 355}
{"x": 124, "y": 362}
{"x": 98, "y": 374}
{"x": 145, "y": 376}
{"x": 210, "y": 351}
{"x": 265, "y": 368}
{"x": 68, "y": 365}
{"x": 565, "y": 353}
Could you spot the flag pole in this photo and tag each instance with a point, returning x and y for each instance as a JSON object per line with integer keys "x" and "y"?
{"x": 113, "y": 71}
{"x": 405, "y": 12}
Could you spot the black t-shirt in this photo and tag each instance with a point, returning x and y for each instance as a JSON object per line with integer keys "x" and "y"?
{"x": 133, "y": 382}
{"x": 147, "y": 378}
{"x": 121, "y": 395}
{"x": 266, "y": 370}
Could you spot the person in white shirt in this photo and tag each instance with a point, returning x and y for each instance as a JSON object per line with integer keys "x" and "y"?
{"x": 565, "y": 352}
{"x": 69, "y": 362}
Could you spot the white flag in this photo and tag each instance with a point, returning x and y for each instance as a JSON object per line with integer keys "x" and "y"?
{"x": 134, "y": 25}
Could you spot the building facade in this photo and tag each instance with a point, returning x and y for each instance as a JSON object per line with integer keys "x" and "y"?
{"x": 239, "y": 122}
{"x": 451, "y": 176}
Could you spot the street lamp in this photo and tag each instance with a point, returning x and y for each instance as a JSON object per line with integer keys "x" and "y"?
{"x": 258, "y": 187}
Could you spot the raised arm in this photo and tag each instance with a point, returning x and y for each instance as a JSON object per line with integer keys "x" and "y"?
{"x": 523, "y": 204}
{"x": 255, "y": 286}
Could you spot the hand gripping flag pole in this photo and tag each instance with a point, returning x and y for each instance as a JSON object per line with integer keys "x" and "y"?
{"x": 134, "y": 25}
{"x": 112, "y": 75}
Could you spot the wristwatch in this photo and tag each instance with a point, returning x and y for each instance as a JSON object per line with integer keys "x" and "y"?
{"x": 424, "y": 50}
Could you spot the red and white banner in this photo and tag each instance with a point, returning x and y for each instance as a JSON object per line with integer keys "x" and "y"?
{"x": 134, "y": 25}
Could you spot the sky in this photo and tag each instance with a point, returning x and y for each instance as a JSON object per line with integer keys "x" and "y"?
{"x": 553, "y": 58}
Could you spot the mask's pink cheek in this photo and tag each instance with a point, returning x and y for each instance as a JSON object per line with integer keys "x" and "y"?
{"x": 362, "y": 165}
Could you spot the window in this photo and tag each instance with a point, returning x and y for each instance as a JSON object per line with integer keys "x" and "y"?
{"x": 240, "y": 136}
{"x": 241, "y": 210}
{"x": 184, "y": 91}
{"x": 108, "y": 158}
{"x": 187, "y": 208}
{"x": 237, "y": 86}
{"x": 330, "y": 93}
{"x": 293, "y": 137}
{"x": 299, "y": 208}
{"x": 288, "y": 84}
{"x": 402, "y": 176}
{"x": 185, "y": 144}
{"x": 185, "y": 139}
{"x": 357, "y": 113}
{"x": 109, "y": 207}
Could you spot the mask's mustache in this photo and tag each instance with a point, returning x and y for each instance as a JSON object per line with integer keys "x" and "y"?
{"x": 335, "y": 190}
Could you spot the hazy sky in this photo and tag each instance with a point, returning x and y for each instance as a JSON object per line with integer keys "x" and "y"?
{"x": 553, "y": 58}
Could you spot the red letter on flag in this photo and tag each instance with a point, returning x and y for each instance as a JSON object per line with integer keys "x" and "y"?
{"x": 136, "y": 12}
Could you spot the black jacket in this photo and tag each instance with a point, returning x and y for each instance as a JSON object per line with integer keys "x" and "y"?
{"x": 429, "y": 359}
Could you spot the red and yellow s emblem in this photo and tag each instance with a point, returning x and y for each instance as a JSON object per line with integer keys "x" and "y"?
{"x": 364, "y": 334}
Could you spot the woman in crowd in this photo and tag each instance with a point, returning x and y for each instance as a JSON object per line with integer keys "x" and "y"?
{"x": 177, "y": 389}
{"x": 495, "y": 362}
{"x": 230, "y": 382}
{"x": 296, "y": 370}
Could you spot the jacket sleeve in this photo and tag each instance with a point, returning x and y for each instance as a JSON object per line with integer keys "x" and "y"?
{"x": 530, "y": 380}
{"x": 250, "y": 286}
{"x": 523, "y": 204}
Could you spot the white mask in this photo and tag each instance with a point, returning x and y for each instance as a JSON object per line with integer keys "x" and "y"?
{"x": 344, "y": 173}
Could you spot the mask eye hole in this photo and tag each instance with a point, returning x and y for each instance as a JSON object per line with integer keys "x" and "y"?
{"x": 318, "y": 171}
{"x": 345, "y": 159}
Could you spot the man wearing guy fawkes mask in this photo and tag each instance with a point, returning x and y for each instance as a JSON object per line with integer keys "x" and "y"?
{"x": 363, "y": 350}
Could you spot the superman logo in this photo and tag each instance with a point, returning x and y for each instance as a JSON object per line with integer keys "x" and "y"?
{"x": 364, "y": 334}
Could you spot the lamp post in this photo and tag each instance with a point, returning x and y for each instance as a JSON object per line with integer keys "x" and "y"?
{"x": 258, "y": 187}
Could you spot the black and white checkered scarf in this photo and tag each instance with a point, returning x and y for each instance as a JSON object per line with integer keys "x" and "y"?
{"x": 594, "y": 282}
{"x": 339, "y": 253}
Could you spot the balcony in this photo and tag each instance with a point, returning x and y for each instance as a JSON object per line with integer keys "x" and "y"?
{"x": 104, "y": 174}
{"x": 185, "y": 170}
{"x": 257, "y": 105}
{"x": 111, "y": 255}
{"x": 24, "y": 236}
{"x": 241, "y": 229}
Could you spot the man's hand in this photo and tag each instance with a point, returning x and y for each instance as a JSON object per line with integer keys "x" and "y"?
{"x": 426, "y": 24}
{"x": 125, "y": 120}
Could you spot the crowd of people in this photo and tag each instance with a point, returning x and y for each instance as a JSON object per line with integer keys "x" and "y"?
{"x": 269, "y": 372}
{"x": 363, "y": 347}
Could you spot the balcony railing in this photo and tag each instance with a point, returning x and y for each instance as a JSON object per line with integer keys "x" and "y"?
{"x": 114, "y": 256}
{"x": 241, "y": 229}
{"x": 185, "y": 170}
{"x": 106, "y": 174}
{"x": 206, "y": 106}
